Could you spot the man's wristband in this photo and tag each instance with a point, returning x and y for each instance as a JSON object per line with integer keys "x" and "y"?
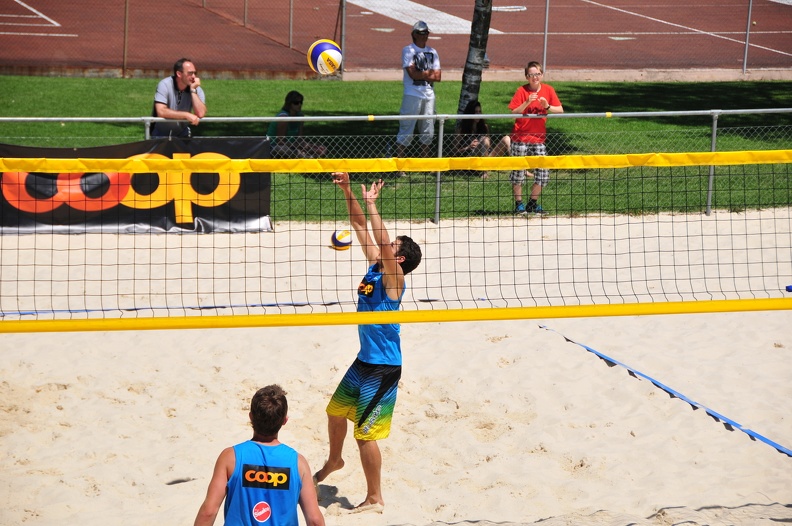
{"x": 194, "y": 91}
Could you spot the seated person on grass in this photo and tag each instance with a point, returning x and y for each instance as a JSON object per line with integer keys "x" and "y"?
{"x": 286, "y": 137}
{"x": 473, "y": 137}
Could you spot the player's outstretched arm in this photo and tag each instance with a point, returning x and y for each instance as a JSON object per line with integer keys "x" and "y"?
{"x": 370, "y": 196}
{"x": 393, "y": 278}
{"x": 357, "y": 218}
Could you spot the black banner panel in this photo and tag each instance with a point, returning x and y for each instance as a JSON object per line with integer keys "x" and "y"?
{"x": 170, "y": 201}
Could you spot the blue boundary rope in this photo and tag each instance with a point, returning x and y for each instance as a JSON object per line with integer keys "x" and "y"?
{"x": 728, "y": 423}
{"x": 156, "y": 308}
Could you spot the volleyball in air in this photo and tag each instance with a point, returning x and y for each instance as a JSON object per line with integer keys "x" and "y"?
{"x": 341, "y": 240}
{"x": 324, "y": 57}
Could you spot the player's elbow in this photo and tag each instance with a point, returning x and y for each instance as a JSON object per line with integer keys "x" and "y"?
{"x": 200, "y": 112}
{"x": 205, "y": 516}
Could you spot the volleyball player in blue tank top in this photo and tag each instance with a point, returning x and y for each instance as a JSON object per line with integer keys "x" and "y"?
{"x": 262, "y": 480}
{"x": 366, "y": 395}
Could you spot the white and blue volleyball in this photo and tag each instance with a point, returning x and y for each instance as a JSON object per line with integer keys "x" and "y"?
{"x": 341, "y": 239}
{"x": 324, "y": 57}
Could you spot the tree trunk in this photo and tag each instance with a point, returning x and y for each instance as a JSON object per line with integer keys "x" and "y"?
{"x": 479, "y": 33}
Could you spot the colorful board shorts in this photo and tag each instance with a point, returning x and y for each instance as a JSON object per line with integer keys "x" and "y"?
{"x": 367, "y": 396}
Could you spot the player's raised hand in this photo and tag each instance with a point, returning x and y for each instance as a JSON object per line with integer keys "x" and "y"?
{"x": 371, "y": 195}
{"x": 340, "y": 178}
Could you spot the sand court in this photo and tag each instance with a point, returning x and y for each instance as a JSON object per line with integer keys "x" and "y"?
{"x": 499, "y": 422}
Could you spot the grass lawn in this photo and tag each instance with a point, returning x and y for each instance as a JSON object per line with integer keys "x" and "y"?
{"x": 99, "y": 97}
{"x": 577, "y": 192}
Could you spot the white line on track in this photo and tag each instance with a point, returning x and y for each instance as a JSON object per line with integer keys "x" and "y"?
{"x": 46, "y": 22}
{"x": 39, "y": 13}
{"x": 689, "y": 29}
{"x": 37, "y": 34}
{"x": 407, "y": 12}
{"x": 20, "y": 24}
{"x": 644, "y": 33}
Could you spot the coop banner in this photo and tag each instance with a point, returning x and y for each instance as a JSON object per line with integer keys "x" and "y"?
{"x": 168, "y": 201}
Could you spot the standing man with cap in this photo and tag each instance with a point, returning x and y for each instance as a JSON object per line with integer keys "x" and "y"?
{"x": 421, "y": 65}
{"x": 179, "y": 97}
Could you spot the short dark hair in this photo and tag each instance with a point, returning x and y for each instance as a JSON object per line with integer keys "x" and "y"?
{"x": 268, "y": 410}
{"x": 180, "y": 64}
{"x": 411, "y": 252}
{"x": 534, "y": 64}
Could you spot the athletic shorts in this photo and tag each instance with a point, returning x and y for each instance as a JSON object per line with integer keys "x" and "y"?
{"x": 416, "y": 106}
{"x": 525, "y": 149}
{"x": 367, "y": 396}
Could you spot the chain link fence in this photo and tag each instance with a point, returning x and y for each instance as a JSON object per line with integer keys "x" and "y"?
{"x": 267, "y": 38}
{"x": 626, "y": 37}
{"x": 481, "y": 192}
{"x": 292, "y": 23}
{"x": 374, "y": 136}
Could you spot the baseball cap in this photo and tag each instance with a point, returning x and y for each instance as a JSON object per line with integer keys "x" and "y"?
{"x": 420, "y": 27}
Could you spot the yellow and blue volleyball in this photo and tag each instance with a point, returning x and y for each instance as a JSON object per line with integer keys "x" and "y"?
{"x": 341, "y": 239}
{"x": 324, "y": 57}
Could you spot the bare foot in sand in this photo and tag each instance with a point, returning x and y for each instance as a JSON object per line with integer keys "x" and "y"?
{"x": 368, "y": 507}
{"x": 328, "y": 468}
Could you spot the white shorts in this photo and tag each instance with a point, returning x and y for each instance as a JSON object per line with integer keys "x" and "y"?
{"x": 416, "y": 106}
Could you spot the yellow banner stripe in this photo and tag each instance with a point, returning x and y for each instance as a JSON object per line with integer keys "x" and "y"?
{"x": 558, "y": 162}
{"x": 355, "y": 318}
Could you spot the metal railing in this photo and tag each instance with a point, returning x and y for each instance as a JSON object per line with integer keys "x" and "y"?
{"x": 441, "y": 119}
{"x": 607, "y": 136}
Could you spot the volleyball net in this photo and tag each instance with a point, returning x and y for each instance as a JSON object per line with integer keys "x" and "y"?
{"x": 624, "y": 234}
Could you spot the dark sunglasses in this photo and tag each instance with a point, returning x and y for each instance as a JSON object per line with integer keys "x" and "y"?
{"x": 297, "y": 102}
